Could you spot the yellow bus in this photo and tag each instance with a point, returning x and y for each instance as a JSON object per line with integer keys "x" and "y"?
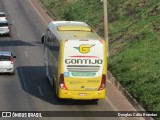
{"x": 75, "y": 60}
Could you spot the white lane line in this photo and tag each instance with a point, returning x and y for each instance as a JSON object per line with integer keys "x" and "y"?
{"x": 38, "y": 12}
{"x": 107, "y": 100}
{"x": 18, "y": 35}
{"x": 109, "y": 81}
{"x": 26, "y": 54}
{"x": 23, "y": 80}
{"x": 13, "y": 22}
{"x": 114, "y": 108}
{"x": 39, "y": 88}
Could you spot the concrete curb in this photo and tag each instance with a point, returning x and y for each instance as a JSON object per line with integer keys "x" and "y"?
{"x": 49, "y": 13}
{"x": 133, "y": 101}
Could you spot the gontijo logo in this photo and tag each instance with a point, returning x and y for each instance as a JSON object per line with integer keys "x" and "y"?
{"x": 84, "y": 48}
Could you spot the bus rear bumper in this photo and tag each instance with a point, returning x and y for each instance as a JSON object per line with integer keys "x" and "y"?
{"x": 82, "y": 95}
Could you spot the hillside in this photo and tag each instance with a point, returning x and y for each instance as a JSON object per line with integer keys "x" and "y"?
{"x": 134, "y": 31}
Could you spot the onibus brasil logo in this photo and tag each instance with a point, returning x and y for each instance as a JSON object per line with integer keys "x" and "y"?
{"x": 84, "y": 48}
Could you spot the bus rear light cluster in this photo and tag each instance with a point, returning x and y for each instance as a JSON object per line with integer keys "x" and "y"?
{"x": 103, "y": 82}
{"x": 61, "y": 82}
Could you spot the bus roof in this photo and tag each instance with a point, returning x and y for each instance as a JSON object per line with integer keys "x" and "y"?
{"x": 72, "y": 30}
{"x": 57, "y": 23}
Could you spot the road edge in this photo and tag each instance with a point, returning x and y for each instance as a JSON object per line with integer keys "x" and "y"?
{"x": 49, "y": 13}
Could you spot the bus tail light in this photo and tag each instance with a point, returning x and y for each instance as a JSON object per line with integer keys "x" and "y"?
{"x": 103, "y": 82}
{"x": 61, "y": 82}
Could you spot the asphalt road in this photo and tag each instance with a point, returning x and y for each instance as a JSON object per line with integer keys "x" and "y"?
{"x": 28, "y": 89}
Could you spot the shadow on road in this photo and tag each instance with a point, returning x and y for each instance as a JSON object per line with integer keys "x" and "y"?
{"x": 5, "y": 43}
{"x": 34, "y": 82}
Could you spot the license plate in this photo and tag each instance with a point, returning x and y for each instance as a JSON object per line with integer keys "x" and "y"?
{"x": 82, "y": 94}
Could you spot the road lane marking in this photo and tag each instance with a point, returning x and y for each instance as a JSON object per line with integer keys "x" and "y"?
{"x": 23, "y": 80}
{"x": 18, "y": 35}
{"x": 109, "y": 81}
{"x": 26, "y": 54}
{"x": 107, "y": 100}
{"x": 12, "y": 21}
{"x": 114, "y": 108}
{"x": 38, "y": 13}
{"x": 39, "y": 88}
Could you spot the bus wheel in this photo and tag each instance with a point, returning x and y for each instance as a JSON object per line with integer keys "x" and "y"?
{"x": 48, "y": 79}
{"x": 56, "y": 97}
{"x": 54, "y": 87}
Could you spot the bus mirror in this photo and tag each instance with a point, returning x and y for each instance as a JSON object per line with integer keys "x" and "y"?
{"x": 47, "y": 29}
{"x": 43, "y": 38}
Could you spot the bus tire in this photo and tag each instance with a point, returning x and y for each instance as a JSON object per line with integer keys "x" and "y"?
{"x": 57, "y": 98}
{"x": 48, "y": 79}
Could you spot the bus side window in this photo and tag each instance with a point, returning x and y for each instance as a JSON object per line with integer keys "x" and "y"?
{"x": 47, "y": 29}
{"x": 57, "y": 42}
{"x": 49, "y": 37}
{"x": 54, "y": 43}
{"x": 53, "y": 39}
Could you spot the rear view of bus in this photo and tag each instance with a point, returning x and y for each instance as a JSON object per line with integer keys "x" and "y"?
{"x": 83, "y": 69}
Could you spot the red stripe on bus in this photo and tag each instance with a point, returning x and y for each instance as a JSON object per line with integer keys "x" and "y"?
{"x": 84, "y": 56}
